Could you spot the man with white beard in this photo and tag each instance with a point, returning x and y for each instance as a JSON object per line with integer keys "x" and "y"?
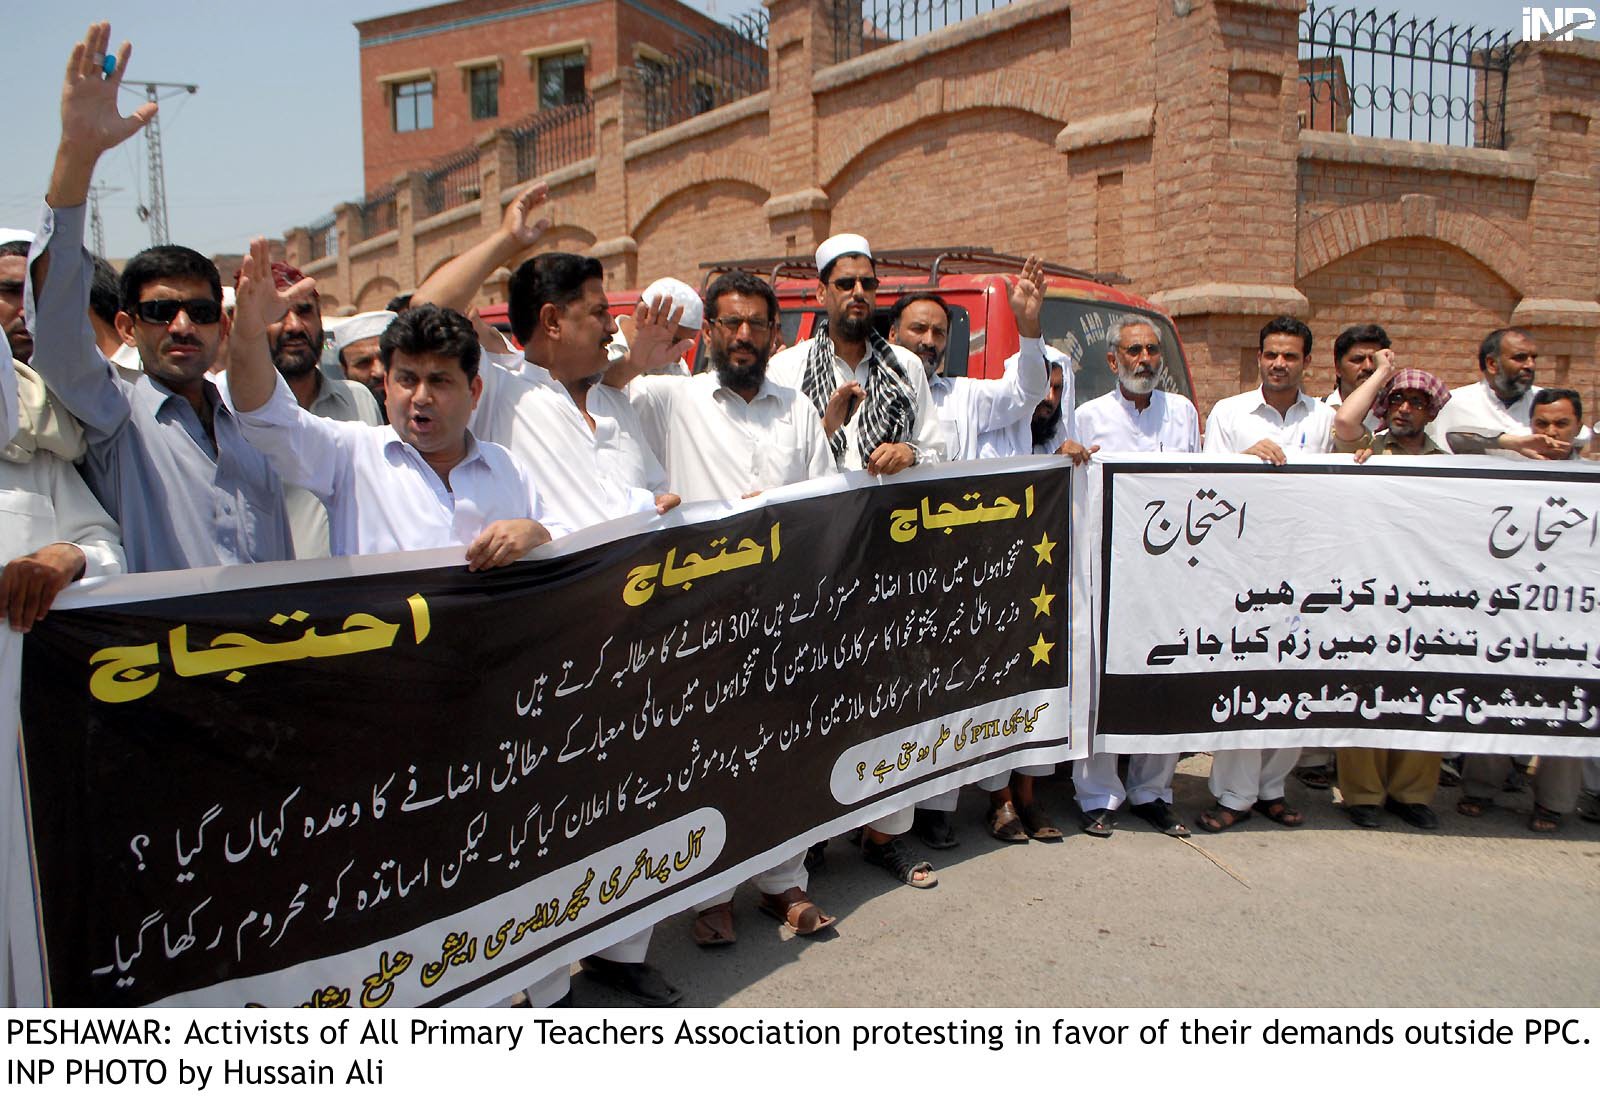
{"x": 1134, "y": 417}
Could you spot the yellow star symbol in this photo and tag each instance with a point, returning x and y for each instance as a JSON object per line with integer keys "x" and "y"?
{"x": 1041, "y": 604}
{"x": 1044, "y": 547}
{"x": 1040, "y": 651}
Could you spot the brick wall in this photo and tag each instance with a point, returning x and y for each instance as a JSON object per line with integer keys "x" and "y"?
{"x": 1158, "y": 139}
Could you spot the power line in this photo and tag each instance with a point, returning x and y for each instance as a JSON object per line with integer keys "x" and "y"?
{"x": 154, "y": 213}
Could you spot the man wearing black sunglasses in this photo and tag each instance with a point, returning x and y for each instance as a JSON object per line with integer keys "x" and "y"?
{"x": 165, "y": 456}
{"x": 872, "y": 396}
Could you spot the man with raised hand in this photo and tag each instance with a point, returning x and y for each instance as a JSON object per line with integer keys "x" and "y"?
{"x": 165, "y": 455}
{"x": 422, "y": 481}
{"x": 587, "y": 454}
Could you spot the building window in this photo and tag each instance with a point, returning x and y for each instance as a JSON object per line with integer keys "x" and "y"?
{"x": 561, "y": 79}
{"x": 413, "y": 106}
{"x": 484, "y": 88}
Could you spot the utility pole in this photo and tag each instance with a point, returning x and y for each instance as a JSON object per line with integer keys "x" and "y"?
{"x": 154, "y": 213}
{"x": 97, "y": 226}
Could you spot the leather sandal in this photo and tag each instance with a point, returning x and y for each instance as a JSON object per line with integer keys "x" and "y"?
{"x": 1219, "y": 817}
{"x": 1279, "y": 812}
{"x": 1037, "y": 824}
{"x": 794, "y": 909}
{"x": 1095, "y": 822}
{"x": 714, "y": 926}
{"x": 1006, "y": 825}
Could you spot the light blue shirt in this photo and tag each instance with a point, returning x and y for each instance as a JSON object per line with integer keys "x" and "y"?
{"x": 182, "y": 500}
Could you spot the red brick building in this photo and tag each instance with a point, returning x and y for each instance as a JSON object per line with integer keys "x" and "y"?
{"x": 434, "y": 78}
{"x": 1230, "y": 162}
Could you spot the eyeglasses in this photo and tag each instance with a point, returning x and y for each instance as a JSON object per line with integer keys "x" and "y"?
{"x": 869, "y": 284}
{"x": 731, "y": 326}
{"x": 1134, "y": 350}
{"x": 1416, "y": 400}
{"x": 161, "y": 312}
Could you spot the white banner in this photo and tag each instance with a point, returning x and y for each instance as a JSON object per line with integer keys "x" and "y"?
{"x": 1438, "y": 604}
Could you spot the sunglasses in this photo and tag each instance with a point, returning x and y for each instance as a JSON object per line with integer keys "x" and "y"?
{"x": 869, "y": 284}
{"x": 161, "y": 312}
{"x": 1134, "y": 350}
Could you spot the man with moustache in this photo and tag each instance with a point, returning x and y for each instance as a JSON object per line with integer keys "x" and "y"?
{"x": 1495, "y": 413}
{"x": 1274, "y": 423}
{"x": 1353, "y": 353}
{"x": 584, "y": 447}
{"x": 296, "y": 346}
{"x": 1371, "y": 780}
{"x": 872, "y": 396}
{"x": 1134, "y": 417}
{"x": 13, "y": 276}
{"x": 731, "y": 433}
{"x": 355, "y": 343}
{"x": 166, "y": 456}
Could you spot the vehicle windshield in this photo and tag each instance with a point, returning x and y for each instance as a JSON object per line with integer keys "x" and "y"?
{"x": 1077, "y": 327}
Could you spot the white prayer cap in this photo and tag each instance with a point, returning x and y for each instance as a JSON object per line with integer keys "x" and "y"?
{"x": 8, "y": 235}
{"x": 359, "y": 327}
{"x": 1057, "y": 359}
{"x": 682, "y": 295}
{"x": 840, "y": 245}
{"x": 230, "y": 298}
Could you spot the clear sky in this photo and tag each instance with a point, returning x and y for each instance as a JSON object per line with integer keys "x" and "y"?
{"x": 272, "y": 138}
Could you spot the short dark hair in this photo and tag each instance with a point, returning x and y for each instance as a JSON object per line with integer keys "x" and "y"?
{"x": 1292, "y": 327}
{"x": 105, "y": 292}
{"x": 741, "y": 283}
{"x": 430, "y": 330}
{"x": 823, "y": 275}
{"x": 163, "y": 262}
{"x": 13, "y": 249}
{"x": 398, "y": 303}
{"x": 1359, "y": 335}
{"x": 910, "y": 297}
{"x": 556, "y": 278}
{"x": 1556, "y": 394}
{"x": 1490, "y": 345}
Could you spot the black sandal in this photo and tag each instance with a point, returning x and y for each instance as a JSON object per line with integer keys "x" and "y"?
{"x": 894, "y": 857}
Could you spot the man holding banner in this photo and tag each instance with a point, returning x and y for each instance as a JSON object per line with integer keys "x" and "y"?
{"x": 1134, "y": 417}
{"x": 1272, "y": 423}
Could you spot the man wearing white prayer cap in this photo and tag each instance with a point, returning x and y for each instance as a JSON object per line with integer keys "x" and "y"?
{"x": 879, "y": 417}
{"x": 682, "y": 297}
{"x": 355, "y": 343}
{"x": 13, "y": 273}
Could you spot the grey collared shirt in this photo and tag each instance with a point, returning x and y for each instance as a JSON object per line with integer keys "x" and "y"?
{"x": 182, "y": 500}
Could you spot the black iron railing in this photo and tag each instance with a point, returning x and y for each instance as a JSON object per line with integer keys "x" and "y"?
{"x": 861, "y": 26}
{"x": 727, "y": 65}
{"x": 376, "y": 215}
{"x": 554, "y": 137}
{"x": 324, "y": 237}
{"x": 1382, "y": 76}
{"x": 452, "y": 181}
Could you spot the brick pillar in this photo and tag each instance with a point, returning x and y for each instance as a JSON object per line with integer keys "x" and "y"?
{"x": 618, "y": 120}
{"x": 800, "y": 40}
{"x": 497, "y": 170}
{"x": 344, "y": 223}
{"x": 1553, "y": 112}
{"x": 407, "y": 193}
{"x": 297, "y": 246}
{"x": 1226, "y": 147}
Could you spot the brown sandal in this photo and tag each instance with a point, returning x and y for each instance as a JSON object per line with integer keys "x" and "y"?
{"x": 714, "y": 926}
{"x": 1472, "y": 807}
{"x": 1544, "y": 821}
{"x": 794, "y": 909}
{"x": 1279, "y": 812}
{"x": 1005, "y": 824}
{"x": 1219, "y": 817}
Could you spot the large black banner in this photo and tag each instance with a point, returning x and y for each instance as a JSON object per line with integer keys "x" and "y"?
{"x": 429, "y": 786}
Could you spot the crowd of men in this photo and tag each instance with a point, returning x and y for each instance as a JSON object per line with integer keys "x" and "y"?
{"x": 158, "y": 420}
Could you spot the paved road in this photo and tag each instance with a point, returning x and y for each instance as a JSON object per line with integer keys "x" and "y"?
{"x": 1479, "y": 913}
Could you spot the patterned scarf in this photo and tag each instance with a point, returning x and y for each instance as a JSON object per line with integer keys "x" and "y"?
{"x": 886, "y": 415}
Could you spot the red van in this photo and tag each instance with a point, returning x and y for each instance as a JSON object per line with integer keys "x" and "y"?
{"x": 1079, "y": 305}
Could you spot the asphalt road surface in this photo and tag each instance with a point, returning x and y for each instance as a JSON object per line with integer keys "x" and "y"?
{"x": 1479, "y": 913}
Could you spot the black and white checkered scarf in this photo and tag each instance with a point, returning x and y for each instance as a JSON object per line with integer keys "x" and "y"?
{"x": 886, "y": 417}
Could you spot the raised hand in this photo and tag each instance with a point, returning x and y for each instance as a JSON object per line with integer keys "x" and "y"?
{"x": 1027, "y": 296}
{"x": 258, "y": 302}
{"x": 655, "y": 344}
{"x": 91, "y": 122}
{"x": 518, "y": 222}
